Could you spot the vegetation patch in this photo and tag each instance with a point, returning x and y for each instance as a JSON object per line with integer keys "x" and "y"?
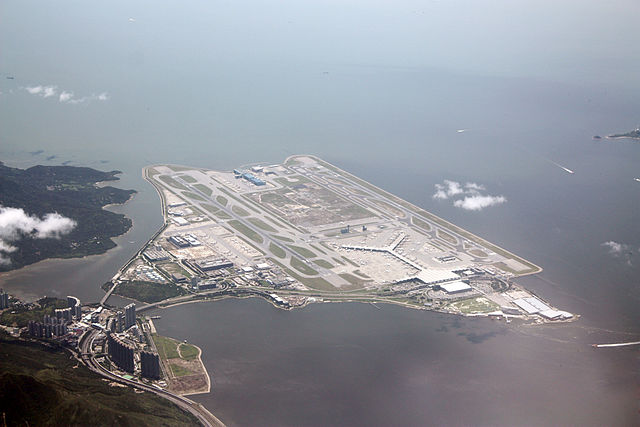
{"x": 284, "y": 239}
{"x": 302, "y": 267}
{"x": 478, "y": 253}
{"x": 276, "y": 222}
{"x": 389, "y": 209}
{"x": 148, "y": 291}
{"x": 222, "y": 215}
{"x": 474, "y": 305}
{"x": 447, "y": 237}
{"x": 206, "y": 190}
{"x": 180, "y": 371}
{"x": 212, "y": 209}
{"x": 176, "y": 168}
{"x": 251, "y": 234}
{"x": 302, "y": 251}
{"x": 420, "y": 223}
{"x": 261, "y": 224}
{"x": 239, "y": 211}
{"x": 71, "y": 192}
{"x": 350, "y": 262}
{"x": 504, "y": 267}
{"x": 170, "y": 268}
{"x": 193, "y": 196}
{"x": 323, "y": 263}
{"x": 20, "y": 316}
{"x": 172, "y": 182}
{"x": 222, "y": 200}
{"x": 353, "y": 279}
{"x": 361, "y": 274}
{"x": 188, "y": 178}
{"x": 188, "y": 351}
{"x": 291, "y": 181}
{"x": 167, "y": 347}
{"x": 318, "y": 249}
{"x": 45, "y": 386}
{"x": 277, "y": 250}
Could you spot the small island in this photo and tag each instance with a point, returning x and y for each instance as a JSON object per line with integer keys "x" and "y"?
{"x": 72, "y": 192}
{"x": 634, "y": 134}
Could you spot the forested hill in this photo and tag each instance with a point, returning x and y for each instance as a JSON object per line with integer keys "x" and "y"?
{"x": 71, "y": 192}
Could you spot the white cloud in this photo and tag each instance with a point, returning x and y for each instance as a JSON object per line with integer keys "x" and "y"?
{"x": 472, "y": 186}
{"x": 468, "y": 196}
{"x": 43, "y": 91}
{"x": 34, "y": 90}
{"x": 476, "y": 203}
{"x": 65, "y": 96}
{"x": 49, "y": 91}
{"x": 448, "y": 189}
{"x": 621, "y": 251}
{"x": 616, "y": 248}
{"x": 16, "y": 223}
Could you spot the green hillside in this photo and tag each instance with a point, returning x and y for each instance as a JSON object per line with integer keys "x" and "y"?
{"x": 71, "y": 192}
{"x": 46, "y": 386}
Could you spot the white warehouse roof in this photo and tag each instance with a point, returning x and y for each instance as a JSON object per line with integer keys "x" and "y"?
{"x": 454, "y": 287}
{"x": 532, "y": 305}
{"x": 437, "y": 276}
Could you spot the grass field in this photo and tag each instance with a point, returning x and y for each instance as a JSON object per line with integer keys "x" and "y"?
{"x": 239, "y": 211}
{"x": 323, "y": 263}
{"x": 193, "y": 196}
{"x": 148, "y": 291}
{"x": 353, "y": 279}
{"x": 302, "y": 251}
{"x": 167, "y": 347}
{"x": 302, "y": 267}
{"x": 206, "y": 190}
{"x": 261, "y": 224}
{"x": 179, "y": 371}
{"x": 188, "y": 351}
{"x": 447, "y": 237}
{"x": 318, "y": 249}
{"x": 478, "y": 253}
{"x": 188, "y": 178}
{"x": 172, "y": 182}
{"x": 222, "y": 200}
{"x": 475, "y": 305}
{"x": 222, "y": 215}
{"x": 420, "y": 223}
{"x": 277, "y": 250}
{"x": 251, "y": 234}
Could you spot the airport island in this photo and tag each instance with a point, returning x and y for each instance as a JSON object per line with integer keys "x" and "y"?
{"x": 307, "y": 232}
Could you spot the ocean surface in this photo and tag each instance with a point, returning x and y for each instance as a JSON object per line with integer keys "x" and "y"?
{"x": 381, "y": 90}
